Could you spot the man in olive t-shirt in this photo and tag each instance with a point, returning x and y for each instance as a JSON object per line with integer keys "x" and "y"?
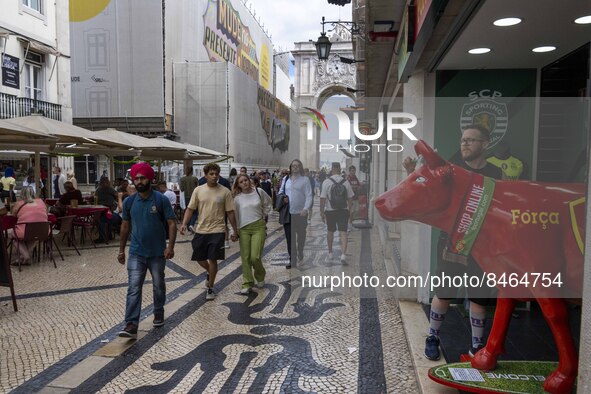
{"x": 213, "y": 201}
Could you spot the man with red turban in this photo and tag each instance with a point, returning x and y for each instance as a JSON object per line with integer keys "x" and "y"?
{"x": 151, "y": 217}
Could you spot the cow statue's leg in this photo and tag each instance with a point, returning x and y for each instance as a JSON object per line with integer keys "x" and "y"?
{"x": 556, "y": 314}
{"x": 486, "y": 358}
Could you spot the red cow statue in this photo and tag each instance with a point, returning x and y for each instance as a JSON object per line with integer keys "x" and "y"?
{"x": 530, "y": 227}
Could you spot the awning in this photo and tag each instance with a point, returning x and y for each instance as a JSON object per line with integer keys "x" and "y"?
{"x": 39, "y": 47}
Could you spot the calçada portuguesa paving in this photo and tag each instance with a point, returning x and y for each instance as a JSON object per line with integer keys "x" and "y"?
{"x": 281, "y": 338}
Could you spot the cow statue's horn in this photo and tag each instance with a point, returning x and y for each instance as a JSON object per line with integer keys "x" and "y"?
{"x": 431, "y": 157}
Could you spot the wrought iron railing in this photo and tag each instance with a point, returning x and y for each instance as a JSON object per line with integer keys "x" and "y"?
{"x": 13, "y": 106}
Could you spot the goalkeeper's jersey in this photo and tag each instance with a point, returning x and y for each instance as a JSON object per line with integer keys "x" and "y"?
{"x": 511, "y": 167}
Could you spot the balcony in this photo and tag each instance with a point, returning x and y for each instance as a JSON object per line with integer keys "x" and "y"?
{"x": 13, "y": 106}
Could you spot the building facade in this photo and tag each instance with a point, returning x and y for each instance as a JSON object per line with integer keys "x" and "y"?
{"x": 181, "y": 69}
{"x": 35, "y": 45}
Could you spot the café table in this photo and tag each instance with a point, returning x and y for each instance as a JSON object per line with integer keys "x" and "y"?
{"x": 51, "y": 201}
{"x": 87, "y": 210}
{"x": 86, "y": 219}
{"x": 7, "y": 222}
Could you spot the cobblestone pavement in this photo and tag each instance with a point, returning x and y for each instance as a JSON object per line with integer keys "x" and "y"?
{"x": 281, "y": 338}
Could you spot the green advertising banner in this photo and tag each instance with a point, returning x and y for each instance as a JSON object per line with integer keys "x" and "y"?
{"x": 501, "y": 100}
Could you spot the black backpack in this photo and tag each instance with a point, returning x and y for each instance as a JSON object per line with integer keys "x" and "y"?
{"x": 338, "y": 195}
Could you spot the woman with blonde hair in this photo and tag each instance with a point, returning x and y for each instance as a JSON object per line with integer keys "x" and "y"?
{"x": 28, "y": 210}
{"x": 252, "y": 205}
{"x": 71, "y": 176}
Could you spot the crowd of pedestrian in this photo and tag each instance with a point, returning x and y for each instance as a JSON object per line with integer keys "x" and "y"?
{"x": 218, "y": 210}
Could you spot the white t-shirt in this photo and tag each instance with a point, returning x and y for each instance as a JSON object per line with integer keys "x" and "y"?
{"x": 328, "y": 184}
{"x": 252, "y": 207}
{"x": 171, "y": 197}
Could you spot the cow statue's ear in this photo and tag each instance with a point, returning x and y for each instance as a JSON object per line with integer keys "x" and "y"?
{"x": 444, "y": 173}
{"x": 431, "y": 157}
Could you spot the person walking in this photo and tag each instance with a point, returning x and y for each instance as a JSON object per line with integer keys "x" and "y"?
{"x": 213, "y": 201}
{"x": 187, "y": 184}
{"x": 58, "y": 182}
{"x": 335, "y": 207}
{"x": 252, "y": 205}
{"x": 8, "y": 182}
{"x": 295, "y": 190}
{"x": 356, "y": 186}
{"x": 147, "y": 212}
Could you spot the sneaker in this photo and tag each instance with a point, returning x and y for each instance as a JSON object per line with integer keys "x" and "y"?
{"x": 210, "y": 295}
{"x": 475, "y": 349}
{"x": 260, "y": 284}
{"x": 432, "y": 348}
{"x": 244, "y": 291}
{"x": 330, "y": 256}
{"x": 158, "y": 319}
{"x": 130, "y": 331}
{"x": 226, "y": 245}
{"x": 343, "y": 259}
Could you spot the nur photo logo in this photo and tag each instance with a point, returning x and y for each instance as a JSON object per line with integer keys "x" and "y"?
{"x": 388, "y": 122}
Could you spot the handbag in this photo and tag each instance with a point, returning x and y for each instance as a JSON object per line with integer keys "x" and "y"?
{"x": 283, "y": 209}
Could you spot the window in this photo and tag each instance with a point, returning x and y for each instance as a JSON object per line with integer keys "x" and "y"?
{"x": 96, "y": 50}
{"x": 85, "y": 169}
{"x": 98, "y": 102}
{"x": 33, "y": 75}
{"x": 34, "y": 4}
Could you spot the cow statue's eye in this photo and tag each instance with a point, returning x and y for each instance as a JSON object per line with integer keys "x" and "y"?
{"x": 420, "y": 179}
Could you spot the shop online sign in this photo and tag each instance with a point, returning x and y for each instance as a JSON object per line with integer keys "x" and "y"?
{"x": 395, "y": 121}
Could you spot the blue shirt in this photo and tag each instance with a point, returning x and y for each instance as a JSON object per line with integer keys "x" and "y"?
{"x": 148, "y": 235}
{"x": 299, "y": 191}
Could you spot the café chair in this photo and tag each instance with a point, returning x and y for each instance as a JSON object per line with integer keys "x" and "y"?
{"x": 35, "y": 231}
{"x": 87, "y": 224}
{"x": 66, "y": 230}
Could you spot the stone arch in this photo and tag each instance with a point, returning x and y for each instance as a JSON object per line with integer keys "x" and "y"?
{"x": 318, "y": 80}
{"x": 332, "y": 90}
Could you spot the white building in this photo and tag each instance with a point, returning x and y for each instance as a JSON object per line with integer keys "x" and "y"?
{"x": 35, "y": 45}
{"x": 180, "y": 68}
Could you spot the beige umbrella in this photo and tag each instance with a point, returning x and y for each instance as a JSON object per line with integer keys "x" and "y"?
{"x": 127, "y": 139}
{"x": 65, "y": 132}
{"x": 193, "y": 152}
{"x": 158, "y": 148}
{"x": 14, "y": 135}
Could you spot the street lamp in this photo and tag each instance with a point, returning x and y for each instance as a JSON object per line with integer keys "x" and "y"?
{"x": 323, "y": 44}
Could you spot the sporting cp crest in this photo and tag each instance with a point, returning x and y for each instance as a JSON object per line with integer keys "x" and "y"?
{"x": 488, "y": 113}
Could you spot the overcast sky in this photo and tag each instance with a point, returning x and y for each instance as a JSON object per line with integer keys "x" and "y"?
{"x": 289, "y": 21}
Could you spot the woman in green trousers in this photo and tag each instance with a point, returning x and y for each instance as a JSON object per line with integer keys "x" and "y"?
{"x": 252, "y": 205}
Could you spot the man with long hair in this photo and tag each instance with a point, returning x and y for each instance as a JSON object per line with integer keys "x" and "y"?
{"x": 296, "y": 191}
